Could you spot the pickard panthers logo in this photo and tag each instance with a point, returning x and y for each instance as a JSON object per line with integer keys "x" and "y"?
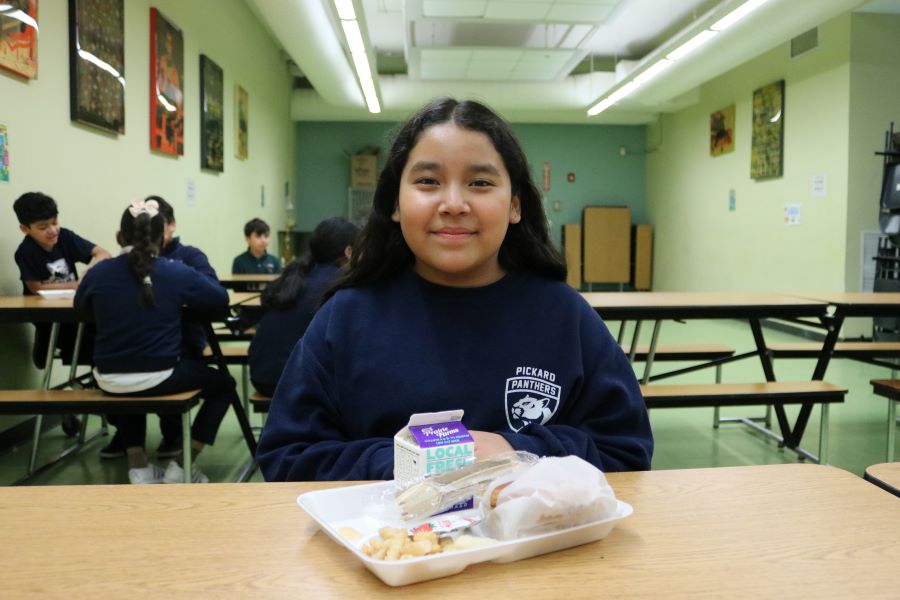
{"x": 531, "y": 397}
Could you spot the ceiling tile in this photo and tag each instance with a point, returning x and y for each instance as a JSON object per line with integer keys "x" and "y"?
{"x": 579, "y": 13}
{"x": 448, "y": 55}
{"x": 508, "y": 10}
{"x": 453, "y": 8}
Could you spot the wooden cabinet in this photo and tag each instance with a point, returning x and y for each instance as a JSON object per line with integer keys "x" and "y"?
{"x": 606, "y": 233}
{"x": 641, "y": 257}
{"x": 571, "y": 238}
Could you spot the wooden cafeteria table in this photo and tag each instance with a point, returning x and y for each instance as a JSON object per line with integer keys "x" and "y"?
{"x": 885, "y": 476}
{"x": 843, "y": 305}
{"x": 749, "y": 306}
{"x": 244, "y": 280}
{"x": 34, "y": 309}
{"x": 763, "y": 532}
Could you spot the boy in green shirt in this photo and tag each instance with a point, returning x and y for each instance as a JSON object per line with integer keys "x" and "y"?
{"x": 256, "y": 260}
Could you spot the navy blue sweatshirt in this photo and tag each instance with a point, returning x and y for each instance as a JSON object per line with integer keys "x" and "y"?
{"x": 131, "y": 337}
{"x": 279, "y": 329}
{"x": 189, "y": 255}
{"x": 194, "y": 336}
{"x": 525, "y": 357}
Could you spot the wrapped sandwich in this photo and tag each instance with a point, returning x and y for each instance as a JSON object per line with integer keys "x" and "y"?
{"x": 554, "y": 493}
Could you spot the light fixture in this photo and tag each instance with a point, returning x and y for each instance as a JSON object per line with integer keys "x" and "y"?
{"x": 653, "y": 71}
{"x": 345, "y": 10}
{"x": 692, "y": 44}
{"x": 736, "y": 15}
{"x": 658, "y": 64}
{"x": 359, "y": 53}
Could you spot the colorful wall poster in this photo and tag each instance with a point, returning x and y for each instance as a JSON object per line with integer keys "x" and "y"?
{"x": 4, "y": 153}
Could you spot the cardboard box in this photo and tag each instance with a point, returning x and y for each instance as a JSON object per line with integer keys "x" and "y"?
{"x": 432, "y": 443}
{"x": 363, "y": 170}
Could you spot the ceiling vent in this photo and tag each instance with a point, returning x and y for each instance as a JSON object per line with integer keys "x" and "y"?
{"x": 806, "y": 41}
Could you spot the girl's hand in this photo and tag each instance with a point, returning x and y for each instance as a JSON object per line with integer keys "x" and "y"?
{"x": 488, "y": 444}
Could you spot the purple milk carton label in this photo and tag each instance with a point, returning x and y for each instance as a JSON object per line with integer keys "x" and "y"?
{"x": 440, "y": 434}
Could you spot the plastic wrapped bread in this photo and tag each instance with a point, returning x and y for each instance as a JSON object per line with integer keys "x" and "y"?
{"x": 555, "y": 493}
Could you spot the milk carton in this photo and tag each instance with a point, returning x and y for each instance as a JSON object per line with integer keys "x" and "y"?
{"x": 432, "y": 443}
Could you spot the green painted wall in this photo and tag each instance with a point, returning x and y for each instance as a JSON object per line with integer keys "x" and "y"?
{"x": 700, "y": 244}
{"x": 602, "y": 176}
{"x": 93, "y": 175}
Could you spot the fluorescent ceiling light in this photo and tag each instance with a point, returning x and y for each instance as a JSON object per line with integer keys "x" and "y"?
{"x": 736, "y": 15}
{"x": 624, "y": 91}
{"x": 368, "y": 88}
{"x": 345, "y": 9}
{"x": 353, "y": 35}
{"x": 691, "y": 45}
{"x": 653, "y": 71}
{"x": 600, "y": 107}
{"x": 361, "y": 62}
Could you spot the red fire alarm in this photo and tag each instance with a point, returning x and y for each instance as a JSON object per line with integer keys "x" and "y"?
{"x": 570, "y": 177}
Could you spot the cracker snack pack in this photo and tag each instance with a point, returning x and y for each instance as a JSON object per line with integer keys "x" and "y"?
{"x": 432, "y": 443}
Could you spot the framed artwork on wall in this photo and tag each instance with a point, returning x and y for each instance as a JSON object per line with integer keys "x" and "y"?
{"x": 4, "y": 153}
{"x": 241, "y": 118}
{"x": 767, "y": 143}
{"x": 19, "y": 37}
{"x": 166, "y": 85}
{"x": 721, "y": 131}
{"x": 212, "y": 155}
{"x": 97, "y": 63}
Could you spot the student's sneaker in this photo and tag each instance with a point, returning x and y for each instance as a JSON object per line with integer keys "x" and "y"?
{"x": 114, "y": 449}
{"x": 175, "y": 474}
{"x": 169, "y": 448}
{"x": 149, "y": 474}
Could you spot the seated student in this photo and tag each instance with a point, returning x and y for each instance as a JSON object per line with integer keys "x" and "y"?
{"x": 46, "y": 259}
{"x": 291, "y": 300}
{"x": 194, "y": 338}
{"x": 455, "y": 298}
{"x": 173, "y": 248}
{"x": 136, "y": 300}
{"x": 256, "y": 260}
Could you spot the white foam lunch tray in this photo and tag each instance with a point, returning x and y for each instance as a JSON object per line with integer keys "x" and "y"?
{"x": 347, "y": 507}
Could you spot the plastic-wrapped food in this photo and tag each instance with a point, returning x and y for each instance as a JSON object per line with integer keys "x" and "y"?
{"x": 427, "y": 496}
{"x": 555, "y": 493}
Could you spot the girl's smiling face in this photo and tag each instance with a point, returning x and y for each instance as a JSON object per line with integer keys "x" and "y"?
{"x": 454, "y": 206}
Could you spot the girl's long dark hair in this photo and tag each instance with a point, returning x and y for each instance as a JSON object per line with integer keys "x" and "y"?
{"x": 327, "y": 245}
{"x": 145, "y": 235}
{"x": 382, "y": 251}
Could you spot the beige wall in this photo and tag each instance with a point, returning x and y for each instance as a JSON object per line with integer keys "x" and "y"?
{"x": 93, "y": 175}
{"x": 700, "y": 245}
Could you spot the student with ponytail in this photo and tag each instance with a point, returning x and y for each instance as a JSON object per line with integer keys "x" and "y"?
{"x": 136, "y": 301}
{"x": 293, "y": 299}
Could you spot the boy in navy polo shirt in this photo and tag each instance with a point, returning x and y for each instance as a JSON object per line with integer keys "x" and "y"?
{"x": 256, "y": 260}
{"x": 46, "y": 259}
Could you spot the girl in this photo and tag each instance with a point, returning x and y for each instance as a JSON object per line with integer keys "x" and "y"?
{"x": 455, "y": 298}
{"x": 136, "y": 300}
{"x": 293, "y": 298}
